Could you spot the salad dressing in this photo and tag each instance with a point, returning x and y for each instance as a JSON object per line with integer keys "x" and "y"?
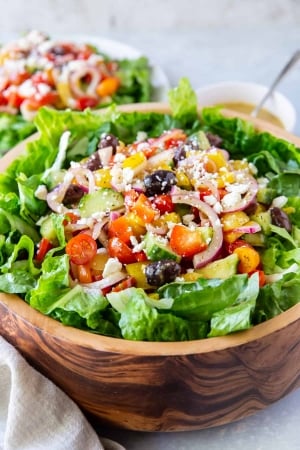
{"x": 247, "y": 108}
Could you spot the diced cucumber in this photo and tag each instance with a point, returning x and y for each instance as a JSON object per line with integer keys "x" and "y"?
{"x": 264, "y": 220}
{"x": 255, "y": 239}
{"x": 100, "y": 201}
{"x": 266, "y": 195}
{"x": 48, "y": 231}
{"x": 156, "y": 249}
{"x": 222, "y": 268}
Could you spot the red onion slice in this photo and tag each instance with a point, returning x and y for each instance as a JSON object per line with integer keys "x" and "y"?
{"x": 163, "y": 157}
{"x": 107, "y": 281}
{"x": 189, "y": 198}
{"x": 76, "y": 77}
{"x": 250, "y": 227}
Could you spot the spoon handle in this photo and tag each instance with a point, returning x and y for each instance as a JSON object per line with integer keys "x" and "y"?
{"x": 292, "y": 61}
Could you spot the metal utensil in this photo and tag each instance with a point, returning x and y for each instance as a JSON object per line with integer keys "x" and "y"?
{"x": 292, "y": 61}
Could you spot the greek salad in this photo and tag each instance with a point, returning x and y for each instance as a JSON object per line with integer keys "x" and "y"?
{"x": 150, "y": 226}
{"x": 37, "y": 71}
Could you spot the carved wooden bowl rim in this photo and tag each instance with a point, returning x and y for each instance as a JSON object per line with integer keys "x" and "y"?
{"x": 103, "y": 343}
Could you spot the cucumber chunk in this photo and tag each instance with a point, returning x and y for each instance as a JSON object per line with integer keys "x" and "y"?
{"x": 103, "y": 200}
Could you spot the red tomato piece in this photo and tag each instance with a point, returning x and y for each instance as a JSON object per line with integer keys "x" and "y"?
{"x": 43, "y": 247}
{"x": 140, "y": 256}
{"x": 84, "y": 273}
{"x": 169, "y": 139}
{"x": 163, "y": 203}
{"x": 261, "y": 277}
{"x": 186, "y": 242}
{"x": 81, "y": 248}
{"x": 118, "y": 249}
{"x": 70, "y": 217}
{"x": 144, "y": 209}
{"x": 86, "y": 102}
{"x": 121, "y": 228}
{"x": 130, "y": 197}
{"x": 236, "y": 244}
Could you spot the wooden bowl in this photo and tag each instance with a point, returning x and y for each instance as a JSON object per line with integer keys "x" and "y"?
{"x": 161, "y": 386}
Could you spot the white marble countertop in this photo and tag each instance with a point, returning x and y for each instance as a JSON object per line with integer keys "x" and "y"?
{"x": 207, "y": 56}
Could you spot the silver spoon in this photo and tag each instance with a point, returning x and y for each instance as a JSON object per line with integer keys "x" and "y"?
{"x": 292, "y": 61}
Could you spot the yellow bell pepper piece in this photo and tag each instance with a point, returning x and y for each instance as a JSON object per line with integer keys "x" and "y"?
{"x": 103, "y": 178}
{"x": 134, "y": 161}
{"x": 183, "y": 180}
{"x": 137, "y": 271}
{"x": 232, "y": 220}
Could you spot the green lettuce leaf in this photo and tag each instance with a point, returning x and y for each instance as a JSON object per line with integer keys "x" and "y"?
{"x": 142, "y": 322}
{"x": 237, "y": 317}
{"x": 135, "y": 76}
{"x": 199, "y": 300}
{"x": 52, "y": 284}
{"x": 276, "y": 297}
{"x": 13, "y": 129}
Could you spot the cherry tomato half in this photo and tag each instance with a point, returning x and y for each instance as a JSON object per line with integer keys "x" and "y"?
{"x": 81, "y": 248}
{"x": 118, "y": 249}
{"x": 163, "y": 203}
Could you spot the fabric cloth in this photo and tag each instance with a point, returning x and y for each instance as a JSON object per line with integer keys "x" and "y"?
{"x": 36, "y": 415}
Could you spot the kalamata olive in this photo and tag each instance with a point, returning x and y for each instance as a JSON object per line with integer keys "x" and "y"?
{"x": 179, "y": 154}
{"x": 159, "y": 182}
{"x": 94, "y": 162}
{"x": 280, "y": 218}
{"x": 162, "y": 272}
{"x": 214, "y": 139}
{"x": 109, "y": 140}
{"x": 73, "y": 194}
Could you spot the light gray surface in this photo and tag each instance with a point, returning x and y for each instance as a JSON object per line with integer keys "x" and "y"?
{"x": 208, "y": 56}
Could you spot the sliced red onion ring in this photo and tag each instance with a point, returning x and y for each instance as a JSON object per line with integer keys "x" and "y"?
{"x": 107, "y": 281}
{"x": 189, "y": 198}
{"x": 248, "y": 198}
{"x": 211, "y": 186}
{"x": 82, "y": 175}
{"x": 76, "y": 77}
{"x": 56, "y": 196}
{"x": 250, "y": 227}
{"x": 162, "y": 157}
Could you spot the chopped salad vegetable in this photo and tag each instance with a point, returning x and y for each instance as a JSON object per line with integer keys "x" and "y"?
{"x": 37, "y": 71}
{"x": 151, "y": 226}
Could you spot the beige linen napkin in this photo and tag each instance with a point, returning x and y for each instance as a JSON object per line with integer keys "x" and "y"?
{"x": 36, "y": 415}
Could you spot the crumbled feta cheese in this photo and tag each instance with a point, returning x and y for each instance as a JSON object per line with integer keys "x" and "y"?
{"x": 112, "y": 265}
{"x": 141, "y": 136}
{"x": 252, "y": 168}
{"x": 262, "y": 182}
{"x": 187, "y": 218}
{"x": 128, "y": 175}
{"x": 280, "y": 201}
{"x": 210, "y": 199}
{"x": 217, "y": 207}
{"x": 27, "y": 89}
{"x": 119, "y": 157}
{"x": 41, "y": 192}
{"x": 231, "y": 200}
{"x": 237, "y": 187}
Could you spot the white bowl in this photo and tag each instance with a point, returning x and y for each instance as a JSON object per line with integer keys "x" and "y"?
{"x": 250, "y": 93}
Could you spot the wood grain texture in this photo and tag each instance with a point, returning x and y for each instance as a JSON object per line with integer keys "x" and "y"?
{"x": 183, "y": 386}
{"x": 161, "y": 386}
